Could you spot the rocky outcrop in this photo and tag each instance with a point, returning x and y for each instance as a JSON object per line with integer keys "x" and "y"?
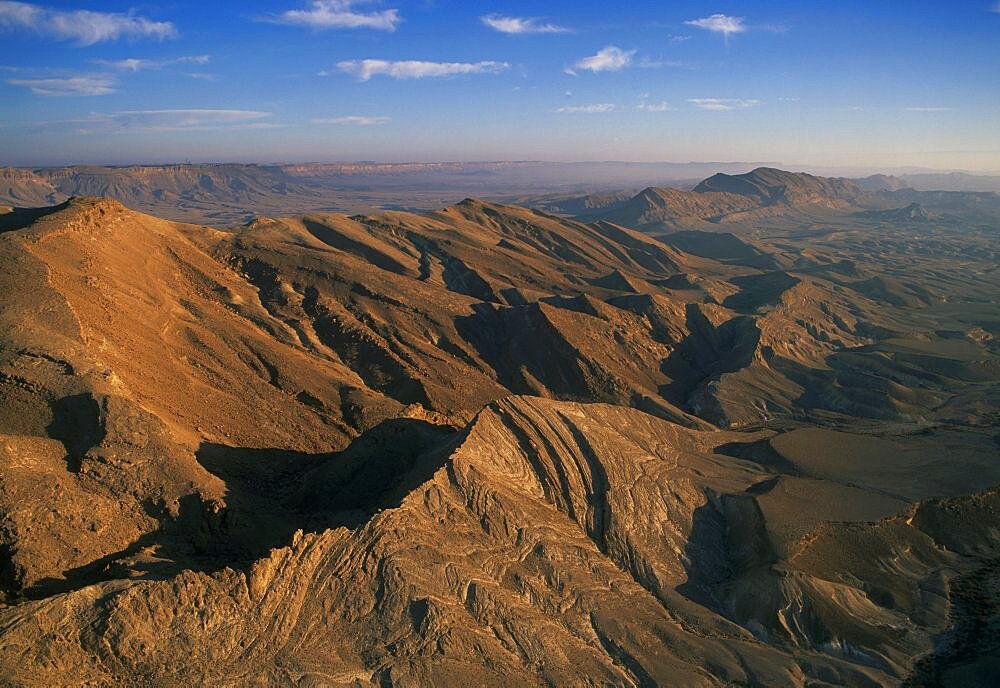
{"x": 555, "y": 542}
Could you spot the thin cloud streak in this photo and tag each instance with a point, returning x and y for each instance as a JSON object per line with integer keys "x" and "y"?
{"x": 338, "y": 14}
{"x": 663, "y": 106}
{"x": 133, "y": 64}
{"x": 72, "y": 86}
{"x": 86, "y": 27}
{"x": 723, "y": 104}
{"x": 520, "y": 25}
{"x": 587, "y": 109}
{"x": 355, "y": 120}
{"x": 363, "y": 70}
{"x": 174, "y": 120}
{"x": 648, "y": 63}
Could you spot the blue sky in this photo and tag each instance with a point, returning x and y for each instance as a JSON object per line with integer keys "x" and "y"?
{"x": 850, "y": 84}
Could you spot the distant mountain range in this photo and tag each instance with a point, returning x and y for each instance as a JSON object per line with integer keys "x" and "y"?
{"x": 766, "y": 193}
{"x": 234, "y": 193}
{"x": 933, "y": 181}
{"x": 187, "y": 191}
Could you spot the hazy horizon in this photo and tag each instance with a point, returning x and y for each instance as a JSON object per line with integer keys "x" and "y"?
{"x": 811, "y": 85}
{"x": 727, "y": 166}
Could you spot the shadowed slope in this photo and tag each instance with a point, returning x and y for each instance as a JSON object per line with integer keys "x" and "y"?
{"x": 300, "y": 451}
{"x": 582, "y": 541}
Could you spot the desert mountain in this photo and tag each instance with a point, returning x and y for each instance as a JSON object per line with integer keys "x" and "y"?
{"x": 723, "y": 198}
{"x": 496, "y": 445}
{"x": 882, "y": 182}
{"x": 204, "y": 192}
{"x": 932, "y": 181}
{"x": 771, "y": 186}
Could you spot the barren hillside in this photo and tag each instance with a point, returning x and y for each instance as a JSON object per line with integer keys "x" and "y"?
{"x": 488, "y": 443}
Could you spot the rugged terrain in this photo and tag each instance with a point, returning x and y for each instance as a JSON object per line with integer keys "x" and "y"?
{"x": 220, "y": 195}
{"x": 754, "y": 443}
{"x": 224, "y": 194}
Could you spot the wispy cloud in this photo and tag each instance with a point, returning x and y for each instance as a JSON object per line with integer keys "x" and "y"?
{"x": 927, "y": 109}
{"x": 133, "y": 64}
{"x": 86, "y": 27}
{"x": 996, "y": 7}
{"x": 364, "y": 70}
{"x": 587, "y": 109}
{"x": 520, "y": 25}
{"x": 722, "y": 104}
{"x": 338, "y": 14}
{"x": 662, "y": 106}
{"x": 72, "y": 86}
{"x": 609, "y": 59}
{"x": 720, "y": 23}
{"x": 355, "y": 120}
{"x": 649, "y": 63}
{"x": 174, "y": 120}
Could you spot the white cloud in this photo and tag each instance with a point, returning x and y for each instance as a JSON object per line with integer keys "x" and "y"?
{"x": 83, "y": 26}
{"x": 128, "y": 65}
{"x": 722, "y": 104}
{"x": 356, "y": 120}
{"x": 927, "y": 109}
{"x": 417, "y": 69}
{"x": 995, "y": 8}
{"x": 720, "y": 23}
{"x": 171, "y": 120}
{"x": 609, "y": 59}
{"x": 588, "y": 109}
{"x": 520, "y": 25}
{"x": 339, "y": 14}
{"x": 72, "y": 86}
{"x": 133, "y": 64}
{"x": 662, "y": 106}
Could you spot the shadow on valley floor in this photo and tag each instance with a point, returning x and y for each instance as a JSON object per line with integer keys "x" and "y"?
{"x": 968, "y": 653}
{"x": 270, "y": 494}
{"x": 19, "y": 218}
{"x": 760, "y": 452}
{"x": 728, "y": 540}
{"x": 707, "y": 352}
{"x": 76, "y": 422}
